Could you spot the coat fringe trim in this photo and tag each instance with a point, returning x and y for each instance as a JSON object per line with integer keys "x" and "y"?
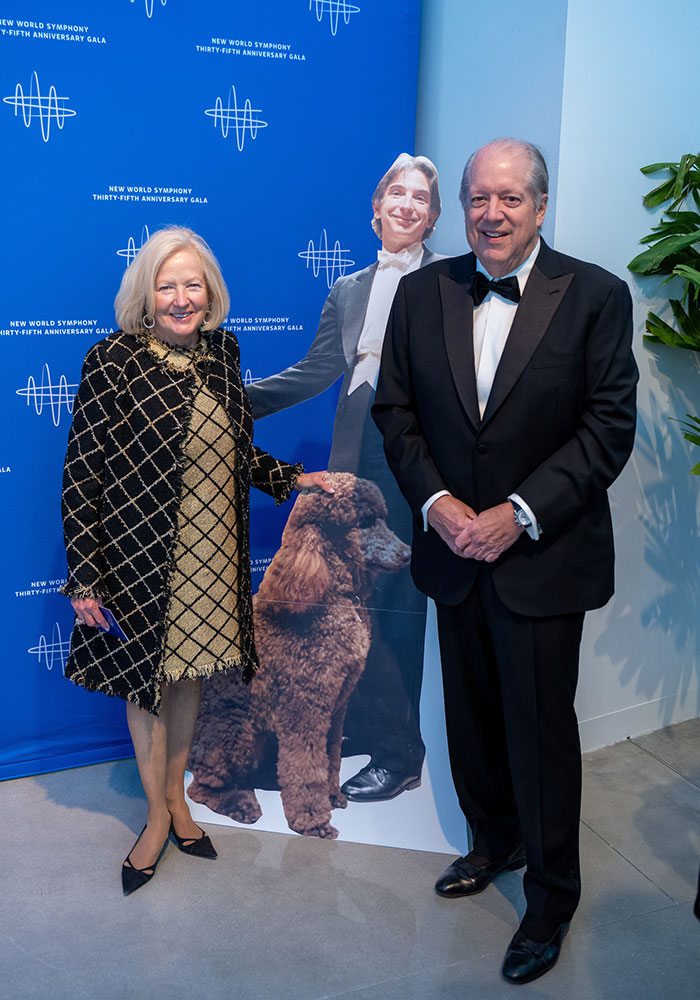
{"x": 79, "y": 592}
{"x": 191, "y": 673}
{"x": 288, "y": 488}
{"x": 218, "y": 667}
{"x": 81, "y": 681}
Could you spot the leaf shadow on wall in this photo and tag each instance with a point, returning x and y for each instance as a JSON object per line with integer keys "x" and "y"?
{"x": 665, "y": 502}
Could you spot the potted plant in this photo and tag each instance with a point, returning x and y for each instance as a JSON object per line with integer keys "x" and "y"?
{"x": 673, "y": 251}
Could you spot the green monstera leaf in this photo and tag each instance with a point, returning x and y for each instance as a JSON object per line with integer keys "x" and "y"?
{"x": 673, "y": 251}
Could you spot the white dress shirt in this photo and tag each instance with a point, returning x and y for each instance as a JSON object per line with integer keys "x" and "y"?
{"x": 391, "y": 268}
{"x": 493, "y": 319}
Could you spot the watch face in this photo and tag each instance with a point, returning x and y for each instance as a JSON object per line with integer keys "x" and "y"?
{"x": 522, "y": 518}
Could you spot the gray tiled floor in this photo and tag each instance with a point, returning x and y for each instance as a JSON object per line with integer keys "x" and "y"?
{"x": 285, "y": 918}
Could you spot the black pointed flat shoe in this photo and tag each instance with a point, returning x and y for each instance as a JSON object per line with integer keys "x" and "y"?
{"x": 202, "y": 847}
{"x": 135, "y": 878}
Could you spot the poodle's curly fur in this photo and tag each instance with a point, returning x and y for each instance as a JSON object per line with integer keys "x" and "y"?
{"x": 312, "y": 634}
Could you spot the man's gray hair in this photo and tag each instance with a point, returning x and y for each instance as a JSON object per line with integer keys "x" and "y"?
{"x": 537, "y": 181}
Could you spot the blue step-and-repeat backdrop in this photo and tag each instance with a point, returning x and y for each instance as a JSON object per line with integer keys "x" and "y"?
{"x": 265, "y": 127}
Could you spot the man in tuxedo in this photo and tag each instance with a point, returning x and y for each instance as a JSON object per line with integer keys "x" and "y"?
{"x": 383, "y": 713}
{"x": 506, "y": 399}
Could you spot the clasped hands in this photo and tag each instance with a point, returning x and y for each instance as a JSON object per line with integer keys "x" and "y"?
{"x": 483, "y": 536}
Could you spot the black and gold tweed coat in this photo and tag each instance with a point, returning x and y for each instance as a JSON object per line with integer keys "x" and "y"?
{"x": 122, "y": 486}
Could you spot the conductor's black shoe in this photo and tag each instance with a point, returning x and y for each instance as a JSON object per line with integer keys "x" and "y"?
{"x": 377, "y": 784}
{"x": 465, "y": 877}
{"x": 527, "y": 959}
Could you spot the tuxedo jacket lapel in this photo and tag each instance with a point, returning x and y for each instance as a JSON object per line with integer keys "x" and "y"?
{"x": 542, "y": 297}
{"x": 458, "y": 330}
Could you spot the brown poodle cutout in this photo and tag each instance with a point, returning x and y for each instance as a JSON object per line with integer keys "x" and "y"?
{"x": 312, "y": 634}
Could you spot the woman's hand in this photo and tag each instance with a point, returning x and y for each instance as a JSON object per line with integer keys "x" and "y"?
{"x": 314, "y": 480}
{"x": 87, "y": 611}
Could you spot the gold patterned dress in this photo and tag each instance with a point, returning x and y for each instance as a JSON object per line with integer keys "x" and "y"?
{"x": 202, "y": 624}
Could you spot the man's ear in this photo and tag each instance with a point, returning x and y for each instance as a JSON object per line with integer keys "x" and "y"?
{"x": 541, "y": 210}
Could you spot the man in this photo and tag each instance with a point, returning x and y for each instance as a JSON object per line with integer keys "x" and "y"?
{"x": 507, "y": 403}
{"x": 383, "y": 713}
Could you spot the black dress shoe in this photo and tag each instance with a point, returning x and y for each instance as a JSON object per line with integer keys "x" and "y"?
{"x": 465, "y": 878}
{"x": 200, "y": 847}
{"x": 377, "y": 784}
{"x": 527, "y": 959}
{"x": 135, "y": 878}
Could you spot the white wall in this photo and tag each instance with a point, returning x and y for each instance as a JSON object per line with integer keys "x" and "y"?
{"x": 603, "y": 86}
{"x": 474, "y": 84}
{"x": 628, "y": 81}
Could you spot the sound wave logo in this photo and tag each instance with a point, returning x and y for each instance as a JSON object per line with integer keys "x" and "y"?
{"x": 48, "y": 394}
{"x": 334, "y": 8}
{"x": 130, "y": 250}
{"x": 243, "y": 120}
{"x": 36, "y": 106}
{"x": 48, "y": 653}
{"x": 334, "y": 262}
{"x": 149, "y": 6}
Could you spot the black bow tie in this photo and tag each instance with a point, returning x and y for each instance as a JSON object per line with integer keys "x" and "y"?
{"x": 507, "y": 287}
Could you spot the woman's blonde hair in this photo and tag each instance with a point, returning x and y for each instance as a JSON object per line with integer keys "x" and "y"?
{"x": 136, "y": 296}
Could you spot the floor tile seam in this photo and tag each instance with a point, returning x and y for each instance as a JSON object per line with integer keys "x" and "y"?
{"x": 627, "y": 860}
{"x": 47, "y": 965}
{"x": 664, "y": 763}
{"x": 630, "y": 917}
{"x": 355, "y": 991}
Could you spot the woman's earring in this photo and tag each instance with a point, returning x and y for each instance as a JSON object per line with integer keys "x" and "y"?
{"x": 145, "y": 320}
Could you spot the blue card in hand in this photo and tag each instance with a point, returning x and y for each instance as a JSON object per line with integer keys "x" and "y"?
{"x": 114, "y": 626}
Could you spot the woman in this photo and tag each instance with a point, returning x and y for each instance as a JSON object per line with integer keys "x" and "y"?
{"x": 155, "y": 511}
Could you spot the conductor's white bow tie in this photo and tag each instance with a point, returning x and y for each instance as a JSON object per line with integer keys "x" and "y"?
{"x": 401, "y": 260}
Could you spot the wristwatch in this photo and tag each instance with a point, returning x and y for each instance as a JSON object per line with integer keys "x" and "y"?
{"x": 520, "y": 516}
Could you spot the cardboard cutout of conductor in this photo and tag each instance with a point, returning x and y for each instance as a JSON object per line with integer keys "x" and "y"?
{"x": 383, "y": 714}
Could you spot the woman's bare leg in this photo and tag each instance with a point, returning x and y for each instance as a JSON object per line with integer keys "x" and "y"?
{"x": 162, "y": 745}
{"x": 149, "y": 736}
{"x": 181, "y": 706}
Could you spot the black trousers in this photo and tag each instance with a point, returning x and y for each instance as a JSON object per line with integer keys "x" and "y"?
{"x": 512, "y": 731}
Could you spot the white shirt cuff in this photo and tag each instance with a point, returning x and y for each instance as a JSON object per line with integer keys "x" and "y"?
{"x": 429, "y": 503}
{"x": 533, "y": 529}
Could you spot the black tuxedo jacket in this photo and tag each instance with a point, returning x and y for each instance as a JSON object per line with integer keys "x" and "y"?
{"x": 557, "y": 430}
